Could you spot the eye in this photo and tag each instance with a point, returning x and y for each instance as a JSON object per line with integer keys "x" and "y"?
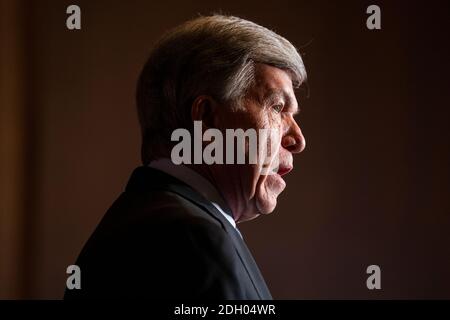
{"x": 278, "y": 108}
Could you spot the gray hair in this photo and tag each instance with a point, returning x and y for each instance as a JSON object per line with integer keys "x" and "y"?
{"x": 212, "y": 55}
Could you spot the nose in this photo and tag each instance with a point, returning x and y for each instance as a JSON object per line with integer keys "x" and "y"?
{"x": 293, "y": 139}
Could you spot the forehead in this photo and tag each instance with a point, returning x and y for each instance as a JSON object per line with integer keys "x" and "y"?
{"x": 272, "y": 81}
{"x": 272, "y": 77}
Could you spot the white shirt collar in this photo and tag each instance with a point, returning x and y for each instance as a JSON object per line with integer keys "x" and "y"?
{"x": 196, "y": 181}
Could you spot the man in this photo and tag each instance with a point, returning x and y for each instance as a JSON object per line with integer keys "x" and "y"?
{"x": 172, "y": 234}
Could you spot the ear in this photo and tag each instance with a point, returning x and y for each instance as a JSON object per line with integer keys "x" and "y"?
{"x": 205, "y": 109}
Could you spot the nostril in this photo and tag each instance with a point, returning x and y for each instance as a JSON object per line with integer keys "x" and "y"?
{"x": 288, "y": 142}
{"x": 293, "y": 144}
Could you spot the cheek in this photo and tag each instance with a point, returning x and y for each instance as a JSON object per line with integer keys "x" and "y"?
{"x": 272, "y": 144}
{"x": 272, "y": 185}
{"x": 274, "y": 123}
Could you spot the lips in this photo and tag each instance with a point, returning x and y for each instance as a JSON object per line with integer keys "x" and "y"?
{"x": 282, "y": 170}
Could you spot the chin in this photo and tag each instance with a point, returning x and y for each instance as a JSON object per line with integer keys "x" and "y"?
{"x": 248, "y": 217}
{"x": 261, "y": 206}
{"x": 266, "y": 207}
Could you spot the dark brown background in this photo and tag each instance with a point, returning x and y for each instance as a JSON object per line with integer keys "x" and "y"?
{"x": 371, "y": 187}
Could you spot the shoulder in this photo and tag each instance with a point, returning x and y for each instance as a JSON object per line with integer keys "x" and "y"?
{"x": 158, "y": 222}
{"x": 167, "y": 245}
{"x": 159, "y": 209}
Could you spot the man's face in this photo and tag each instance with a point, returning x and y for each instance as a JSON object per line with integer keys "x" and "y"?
{"x": 270, "y": 104}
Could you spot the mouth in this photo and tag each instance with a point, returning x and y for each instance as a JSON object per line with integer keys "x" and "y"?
{"x": 282, "y": 170}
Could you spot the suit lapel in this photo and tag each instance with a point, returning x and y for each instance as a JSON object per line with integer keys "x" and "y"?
{"x": 148, "y": 178}
{"x": 242, "y": 250}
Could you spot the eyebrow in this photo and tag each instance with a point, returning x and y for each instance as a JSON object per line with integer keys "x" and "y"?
{"x": 275, "y": 94}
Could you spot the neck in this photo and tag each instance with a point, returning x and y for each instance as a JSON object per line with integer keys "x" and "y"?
{"x": 207, "y": 172}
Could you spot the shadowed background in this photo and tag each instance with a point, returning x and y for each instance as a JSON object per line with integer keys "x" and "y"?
{"x": 371, "y": 187}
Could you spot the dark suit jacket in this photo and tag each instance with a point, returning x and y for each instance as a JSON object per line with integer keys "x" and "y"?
{"x": 163, "y": 240}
